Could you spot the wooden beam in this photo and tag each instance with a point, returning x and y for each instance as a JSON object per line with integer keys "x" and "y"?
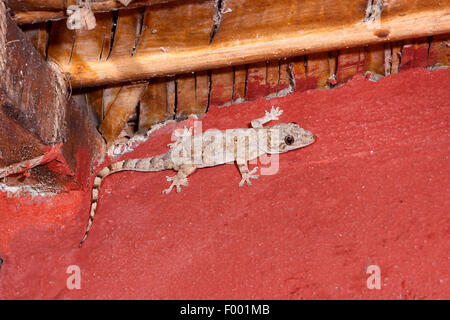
{"x": 33, "y": 11}
{"x": 39, "y": 123}
{"x": 270, "y": 30}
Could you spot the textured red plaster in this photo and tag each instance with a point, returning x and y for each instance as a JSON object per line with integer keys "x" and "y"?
{"x": 373, "y": 189}
{"x": 57, "y": 162}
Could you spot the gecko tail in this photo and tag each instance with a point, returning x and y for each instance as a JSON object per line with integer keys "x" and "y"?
{"x": 94, "y": 200}
{"x": 152, "y": 164}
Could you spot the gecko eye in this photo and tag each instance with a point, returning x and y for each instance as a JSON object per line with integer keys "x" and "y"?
{"x": 289, "y": 140}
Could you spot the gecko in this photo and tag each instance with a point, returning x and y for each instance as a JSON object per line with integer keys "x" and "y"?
{"x": 211, "y": 148}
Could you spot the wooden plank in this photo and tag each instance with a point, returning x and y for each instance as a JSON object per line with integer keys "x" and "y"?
{"x": 96, "y": 5}
{"x": 407, "y": 55}
{"x": 333, "y": 65}
{"x": 192, "y": 94}
{"x": 299, "y": 73}
{"x": 439, "y": 53}
{"x": 161, "y": 34}
{"x": 109, "y": 96}
{"x": 31, "y": 17}
{"x": 120, "y": 110}
{"x": 264, "y": 79}
{"x": 257, "y": 31}
{"x": 39, "y": 36}
{"x": 222, "y": 81}
{"x": 29, "y": 5}
{"x": 240, "y": 83}
{"x": 94, "y": 100}
{"x": 119, "y": 44}
{"x": 157, "y": 104}
{"x": 39, "y": 11}
{"x": 415, "y": 54}
{"x": 350, "y": 62}
{"x": 284, "y": 81}
{"x": 422, "y": 46}
{"x": 92, "y": 45}
{"x": 80, "y": 46}
{"x": 202, "y": 88}
{"x": 61, "y": 43}
{"x": 173, "y": 27}
{"x": 272, "y": 77}
{"x": 396, "y": 54}
{"x": 375, "y": 60}
{"x": 127, "y": 29}
{"x": 256, "y": 81}
{"x": 273, "y": 19}
{"x": 318, "y": 70}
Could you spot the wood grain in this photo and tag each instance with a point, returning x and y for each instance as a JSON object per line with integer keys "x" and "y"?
{"x": 240, "y": 83}
{"x": 174, "y": 27}
{"x": 298, "y": 70}
{"x": 94, "y": 100}
{"x": 396, "y": 53}
{"x": 126, "y": 33}
{"x": 439, "y": 53}
{"x": 92, "y": 45}
{"x": 284, "y": 81}
{"x": 256, "y": 81}
{"x": 350, "y": 63}
{"x": 157, "y": 104}
{"x": 415, "y": 54}
{"x": 192, "y": 94}
{"x": 375, "y": 59}
{"x": 318, "y": 70}
{"x": 39, "y": 36}
{"x": 222, "y": 82}
{"x": 272, "y": 77}
{"x": 121, "y": 109}
{"x": 31, "y": 11}
{"x": 61, "y": 43}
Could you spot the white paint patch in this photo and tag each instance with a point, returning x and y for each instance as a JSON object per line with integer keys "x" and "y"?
{"x": 24, "y": 191}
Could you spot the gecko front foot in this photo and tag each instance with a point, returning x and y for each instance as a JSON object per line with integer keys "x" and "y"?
{"x": 247, "y": 176}
{"x": 177, "y": 182}
{"x": 274, "y": 113}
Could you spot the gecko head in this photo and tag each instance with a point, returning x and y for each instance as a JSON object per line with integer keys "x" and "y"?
{"x": 290, "y": 136}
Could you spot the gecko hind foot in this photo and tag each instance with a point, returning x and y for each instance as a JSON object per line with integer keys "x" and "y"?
{"x": 247, "y": 176}
{"x": 177, "y": 182}
{"x": 187, "y": 132}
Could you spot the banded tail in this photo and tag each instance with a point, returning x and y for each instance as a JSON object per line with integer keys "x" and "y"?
{"x": 153, "y": 164}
